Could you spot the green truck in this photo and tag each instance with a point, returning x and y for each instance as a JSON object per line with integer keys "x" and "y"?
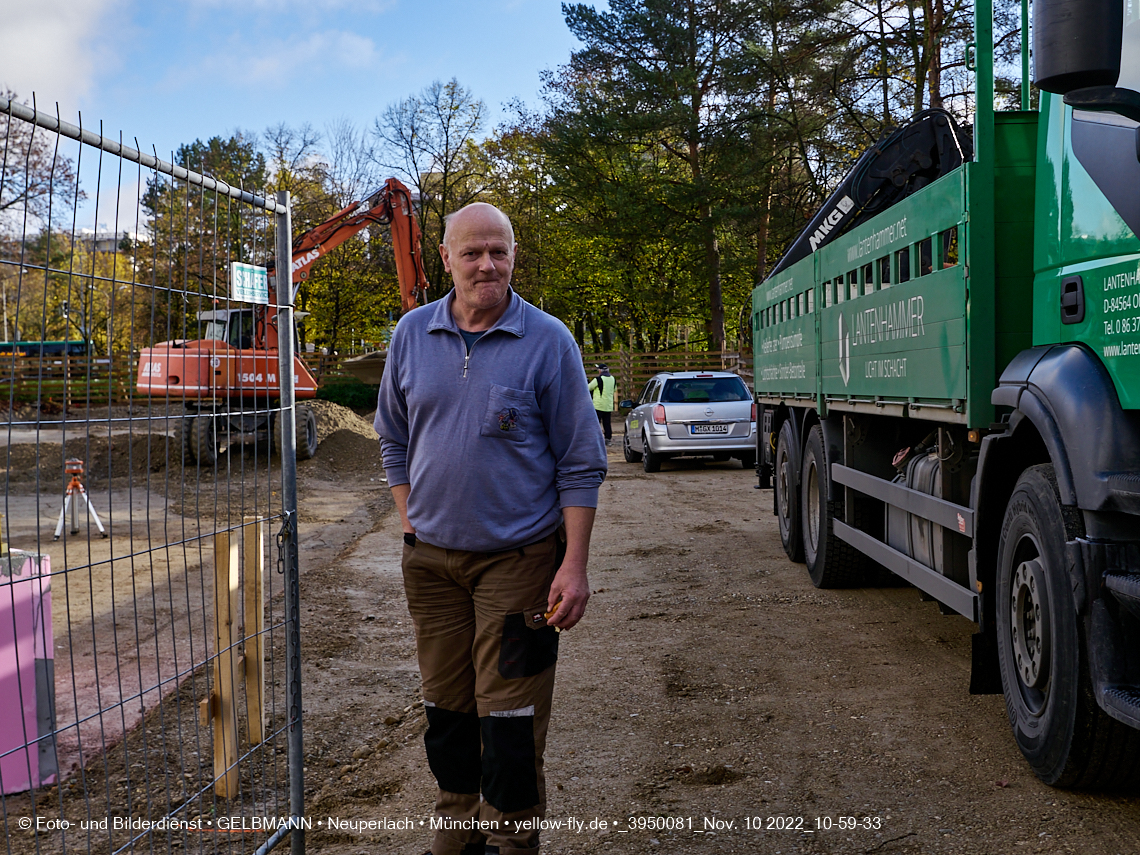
{"x": 948, "y": 385}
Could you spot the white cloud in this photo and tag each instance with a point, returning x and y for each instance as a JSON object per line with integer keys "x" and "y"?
{"x": 280, "y": 60}
{"x": 306, "y": 6}
{"x": 55, "y": 48}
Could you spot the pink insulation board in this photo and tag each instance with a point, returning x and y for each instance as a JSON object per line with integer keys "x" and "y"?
{"x": 27, "y": 679}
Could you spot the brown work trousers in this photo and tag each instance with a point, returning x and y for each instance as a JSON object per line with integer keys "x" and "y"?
{"x": 486, "y": 660}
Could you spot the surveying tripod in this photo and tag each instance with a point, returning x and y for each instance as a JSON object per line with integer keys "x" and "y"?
{"x": 75, "y": 491}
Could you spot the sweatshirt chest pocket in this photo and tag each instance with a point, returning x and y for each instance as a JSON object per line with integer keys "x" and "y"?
{"x": 509, "y": 412}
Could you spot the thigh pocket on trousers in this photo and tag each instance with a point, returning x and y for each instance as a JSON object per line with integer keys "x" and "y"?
{"x": 526, "y": 649}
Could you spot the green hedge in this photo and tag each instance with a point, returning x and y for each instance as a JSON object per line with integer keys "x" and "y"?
{"x": 348, "y": 392}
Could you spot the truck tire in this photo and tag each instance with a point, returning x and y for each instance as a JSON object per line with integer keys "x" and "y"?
{"x": 650, "y": 462}
{"x": 1066, "y": 737}
{"x": 787, "y": 498}
{"x": 831, "y": 562}
{"x": 180, "y": 443}
{"x": 306, "y": 425}
{"x": 203, "y": 440}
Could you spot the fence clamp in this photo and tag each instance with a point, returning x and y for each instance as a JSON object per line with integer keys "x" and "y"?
{"x": 287, "y": 531}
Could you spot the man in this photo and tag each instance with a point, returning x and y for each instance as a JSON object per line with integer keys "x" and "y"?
{"x": 602, "y": 388}
{"x": 494, "y": 460}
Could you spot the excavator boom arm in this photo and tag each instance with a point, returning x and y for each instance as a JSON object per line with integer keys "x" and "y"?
{"x": 390, "y": 206}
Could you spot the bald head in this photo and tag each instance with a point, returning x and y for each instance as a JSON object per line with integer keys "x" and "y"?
{"x": 477, "y": 212}
{"x": 478, "y": 250}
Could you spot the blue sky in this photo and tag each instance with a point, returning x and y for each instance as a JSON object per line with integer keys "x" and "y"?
{"x": 170, "y": 72}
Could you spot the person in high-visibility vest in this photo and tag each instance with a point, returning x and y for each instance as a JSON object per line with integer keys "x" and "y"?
{"x": 602, "y": 388}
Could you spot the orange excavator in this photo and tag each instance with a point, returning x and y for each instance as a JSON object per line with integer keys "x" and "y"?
{"x": 228, "y": 378}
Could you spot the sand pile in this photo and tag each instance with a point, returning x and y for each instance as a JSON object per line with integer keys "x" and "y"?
{"x": 348, "y": 444}
{"x": 333, "y": 417}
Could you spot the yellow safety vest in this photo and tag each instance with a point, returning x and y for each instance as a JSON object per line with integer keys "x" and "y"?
{"x": 603, "y": 393}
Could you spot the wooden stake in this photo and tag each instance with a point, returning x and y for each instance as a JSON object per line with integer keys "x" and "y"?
{"x": 253, "y": 568}
{"x": 224, "y": 706}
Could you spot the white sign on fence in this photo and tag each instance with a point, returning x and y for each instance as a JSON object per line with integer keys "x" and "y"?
{"x": 249, "y": 284}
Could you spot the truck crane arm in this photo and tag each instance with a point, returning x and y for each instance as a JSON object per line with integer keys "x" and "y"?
{"x": 902, "y": 162}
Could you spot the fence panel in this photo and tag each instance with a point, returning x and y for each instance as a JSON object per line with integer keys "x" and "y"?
{"x": 150, "y": 673}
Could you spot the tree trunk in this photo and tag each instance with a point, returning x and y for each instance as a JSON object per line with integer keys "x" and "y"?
{"x": 766, "y": 194}
{"x": 934, "y": 50}
{"x": 716, "y": 298}
{"x": 919, "y": 57}
{"x": 593, "y": 332}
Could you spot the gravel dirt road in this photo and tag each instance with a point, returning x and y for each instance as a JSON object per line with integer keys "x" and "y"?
{"x": 712, "y": 700}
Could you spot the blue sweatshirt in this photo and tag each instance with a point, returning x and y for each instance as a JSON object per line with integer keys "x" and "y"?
{"x": 495, "y": 442}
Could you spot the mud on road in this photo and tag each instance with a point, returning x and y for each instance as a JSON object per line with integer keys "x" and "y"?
{"x": 712, "y": 700}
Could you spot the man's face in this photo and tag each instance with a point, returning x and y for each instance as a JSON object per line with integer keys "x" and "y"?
{"x": 479, "y": 255}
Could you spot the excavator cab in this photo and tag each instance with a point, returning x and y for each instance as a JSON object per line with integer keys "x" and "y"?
{"x": 233, "y": 326}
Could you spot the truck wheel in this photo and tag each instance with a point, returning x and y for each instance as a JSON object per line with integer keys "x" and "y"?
{"x": 203, "y": 440}
{"x": 306, "y": 432}
{"x": 1067, "y": 739}
{"x": 631, "y": 456}
{"x": 787, "y": 500}
{"x": 183, "y": 429}
{"x": 266, "y": 442}
{"x": 650, "y": 462}
{"x": 831, "y": 562}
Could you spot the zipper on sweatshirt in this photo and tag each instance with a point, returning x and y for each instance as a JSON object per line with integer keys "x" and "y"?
{"x": 467, "y": 355}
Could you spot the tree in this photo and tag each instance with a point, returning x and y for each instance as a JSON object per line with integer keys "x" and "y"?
{"x": 35, "y": 177}
{"x": 38, "y": 187}
{"x": 670, "y": 83}
{"x": 194, "y": 234}
{"x": 429, "y": 139}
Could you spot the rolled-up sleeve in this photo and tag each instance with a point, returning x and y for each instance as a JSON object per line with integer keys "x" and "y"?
{"x": 575, "y": 438}
{"x": 391, "y": 422}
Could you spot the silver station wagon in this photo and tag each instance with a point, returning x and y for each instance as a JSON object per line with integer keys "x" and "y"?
{"x": 691, "y": 414}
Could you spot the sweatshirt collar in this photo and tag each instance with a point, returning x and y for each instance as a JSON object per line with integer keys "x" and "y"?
{"x": 512, "y": 320}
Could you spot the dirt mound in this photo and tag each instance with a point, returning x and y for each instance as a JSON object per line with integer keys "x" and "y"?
{"x": 332, "y": 418}
{"x": 349, "y": 448}
{"x": 347, "y": 451}
{"x": 120, "y": 457}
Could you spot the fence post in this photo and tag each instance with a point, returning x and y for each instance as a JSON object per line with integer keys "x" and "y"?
{"x": 625, "y": 369}
{"x": 253, "y": 611}
{"x": 287, "y": 538}
{"x": 222, "y": 703}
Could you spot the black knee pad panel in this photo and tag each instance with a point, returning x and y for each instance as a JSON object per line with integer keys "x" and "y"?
{"x": 452, "y": 743}
{"x": 510, "y": 779}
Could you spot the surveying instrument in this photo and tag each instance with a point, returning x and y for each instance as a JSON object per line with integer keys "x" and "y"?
{"x": 75, "y": 493}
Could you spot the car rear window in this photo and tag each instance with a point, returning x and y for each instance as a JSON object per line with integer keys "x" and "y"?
{"x": 705, "y": 390}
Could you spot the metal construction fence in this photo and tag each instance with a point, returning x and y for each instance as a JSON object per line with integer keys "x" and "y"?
{"x": 30, "y": 377}
{"x": 149, "y": 645}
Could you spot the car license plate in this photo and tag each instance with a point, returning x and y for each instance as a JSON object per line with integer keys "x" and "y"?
{"x": 704, "y": 430}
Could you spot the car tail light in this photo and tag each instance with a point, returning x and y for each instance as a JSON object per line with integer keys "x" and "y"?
{"x": 753, "y": 411}
{"x": 659, "y": 414}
